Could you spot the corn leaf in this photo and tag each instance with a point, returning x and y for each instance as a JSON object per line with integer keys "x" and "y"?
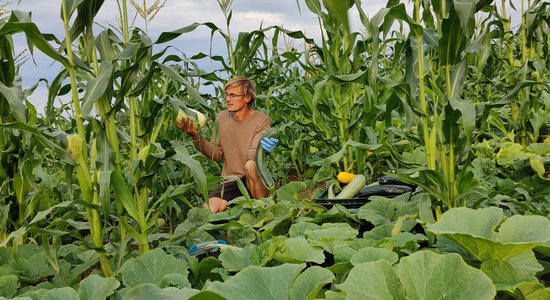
{"x": 172, "y": 73}
{"x": 14, "y": 96}
{"x": 21, "y": 22}
{"x": 97, "y": 87}
{"x": 70, "y": 7}
{"x": 182, "y": 155}
{"x": 41, "y": 137}
{"x": 124, "y": 195}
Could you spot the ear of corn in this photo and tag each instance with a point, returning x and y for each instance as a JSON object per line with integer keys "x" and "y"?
{"x": 198, "y": 118}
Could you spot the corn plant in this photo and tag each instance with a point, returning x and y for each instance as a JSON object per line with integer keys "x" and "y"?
{"x": 22, "y": 193}
{"x": 78, "y": 146}
{"x": 97, "y": 154}
{"x": 143, "y": 83}
{"x": 356, "y": 83}
{"x": 437, "y": 71}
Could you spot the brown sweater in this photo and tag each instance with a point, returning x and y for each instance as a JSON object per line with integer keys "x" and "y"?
{"x": 237, "y": 141}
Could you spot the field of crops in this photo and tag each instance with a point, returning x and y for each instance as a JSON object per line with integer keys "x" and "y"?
{"x": 101, "y": 195}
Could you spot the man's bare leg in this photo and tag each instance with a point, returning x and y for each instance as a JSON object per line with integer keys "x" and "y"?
{"x": 216, "y": 204}
{"x": 254, "y": 182}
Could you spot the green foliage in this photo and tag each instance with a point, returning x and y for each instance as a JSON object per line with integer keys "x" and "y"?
{"x": 425, "y": 275}
{"x": 162, "y": 269}
{"x": 97, "y": 287}
{"x": 454, "y": 100}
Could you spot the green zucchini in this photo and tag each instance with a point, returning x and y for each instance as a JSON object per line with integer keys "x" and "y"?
{"x": 261, "y": 165}
{"x": 352, "y": 189}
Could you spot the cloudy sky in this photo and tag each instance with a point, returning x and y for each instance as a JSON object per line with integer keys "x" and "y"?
{"x": 248, "y": 15}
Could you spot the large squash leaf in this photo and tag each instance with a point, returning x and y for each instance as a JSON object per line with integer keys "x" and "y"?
{"x": 372, "y": 280}
{"x": 8, "y": 285}
{"x": 153, "y": 267}
{"x": 298, "y": 250}
{"x": 368, "y": 254}
{"x": 427, "y": 275}
{"x": 478, "y": 223}
{"x": 149, "y": 291}
{"x": 235, "y": 260}
{"x": 310, "y": 282}
{"x": 65, "y": 293}
{"x": 509, "y": 274}
{"x": 380, "y": 210}
{"x": 259, "y": 283}
{"x": 330, "y": 234}
{"x": 97, "y": 287}
{"x": 473, "y": 230}
{"x": 511, "y": 153}
{"x": 533, "y": 291}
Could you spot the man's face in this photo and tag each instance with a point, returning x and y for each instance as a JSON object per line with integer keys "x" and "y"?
{"x": 235, "y": 99}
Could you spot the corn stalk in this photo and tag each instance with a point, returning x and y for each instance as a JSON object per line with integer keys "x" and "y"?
{"x": 78, "y": 147}
{"x": 338, "y": 82}
{"x": 429, "y": 136}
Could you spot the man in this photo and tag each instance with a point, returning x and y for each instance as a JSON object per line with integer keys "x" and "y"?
{"x": 240, "y": 128}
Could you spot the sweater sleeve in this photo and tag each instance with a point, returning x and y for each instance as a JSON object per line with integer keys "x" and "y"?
{"x": 266, "y": 124}
{"x": 212, "y": 149}
{"x": 208, "y": 149}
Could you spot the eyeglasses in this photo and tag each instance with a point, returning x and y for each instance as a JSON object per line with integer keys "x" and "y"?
{"x": 233, "y": 96}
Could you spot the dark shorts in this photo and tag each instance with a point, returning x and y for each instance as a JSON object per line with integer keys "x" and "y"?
{"x": 228, "y": 190}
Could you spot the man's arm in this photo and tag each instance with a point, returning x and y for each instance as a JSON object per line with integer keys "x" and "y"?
{"x": 256, "y": 139}
{"x": 210, "y": 149}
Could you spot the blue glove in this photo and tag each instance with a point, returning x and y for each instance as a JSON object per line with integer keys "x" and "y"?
{"x": 268, "y": 143}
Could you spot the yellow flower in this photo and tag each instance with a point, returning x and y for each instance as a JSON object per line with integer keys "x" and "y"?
{"x": 547, "y": 139}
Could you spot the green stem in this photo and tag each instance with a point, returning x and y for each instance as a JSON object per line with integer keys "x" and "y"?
{"x": 96, "y": 231}
{"x": 142, "y": 206}
{"x": 132, "y": 103}
{"x": 451, "y": 163}
{"x": 72, "y": 76}
{"x": 526, "y": 55}
{"x": 430, "y": 157}
{"x": 229, "y": 42}
{"x": 508, "y": 34}
{"x": 132, "y": 100}
{"x": 88, "y": 191}
{"x": 125, "y": 21}
{"x": 145, "y": 18}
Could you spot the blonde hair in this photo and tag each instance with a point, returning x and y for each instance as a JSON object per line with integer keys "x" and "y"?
{"x": 247, "y": 87}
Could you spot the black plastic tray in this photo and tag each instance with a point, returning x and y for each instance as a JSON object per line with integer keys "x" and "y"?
{"x": 348, "y": 203}
{"x": 385, "y": 190}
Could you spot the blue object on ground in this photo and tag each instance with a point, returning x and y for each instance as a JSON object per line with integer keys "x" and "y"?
{"x": 206, "y": 247}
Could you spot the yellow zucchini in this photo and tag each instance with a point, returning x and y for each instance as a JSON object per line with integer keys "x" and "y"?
{"x": 345, "y": 177}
